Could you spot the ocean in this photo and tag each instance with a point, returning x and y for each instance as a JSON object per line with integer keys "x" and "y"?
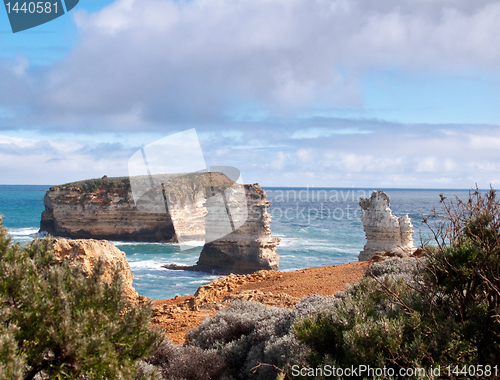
{"x": 317, "y": 227}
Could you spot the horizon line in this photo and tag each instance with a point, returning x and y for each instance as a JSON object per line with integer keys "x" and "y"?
{"x": 321, "y": 187}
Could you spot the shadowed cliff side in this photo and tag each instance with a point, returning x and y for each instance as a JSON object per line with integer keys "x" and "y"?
{"x": 101, "y": 209}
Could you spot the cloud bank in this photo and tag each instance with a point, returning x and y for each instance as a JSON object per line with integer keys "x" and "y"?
{"x": 260, "y": 80}
{"x": 152, "y": 63}
{"x": 420, "y": 156}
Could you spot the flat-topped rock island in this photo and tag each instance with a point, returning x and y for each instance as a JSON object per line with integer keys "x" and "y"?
{"x": 105, "y": 209}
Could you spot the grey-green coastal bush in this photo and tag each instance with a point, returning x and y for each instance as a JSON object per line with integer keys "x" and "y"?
{"x": 248, "y": 340}
{"x": 381, "y": 322}
{"x": 247, "y": 334}
{"x": 58, "y": 323}
{"x": 187, "y": 363}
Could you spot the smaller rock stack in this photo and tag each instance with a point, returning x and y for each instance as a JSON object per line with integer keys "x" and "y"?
{"x": 248, "y": 249}
{"x": 384, "y": 231}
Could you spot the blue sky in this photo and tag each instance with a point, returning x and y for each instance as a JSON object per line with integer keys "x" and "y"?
{"x": 333, "y": 93}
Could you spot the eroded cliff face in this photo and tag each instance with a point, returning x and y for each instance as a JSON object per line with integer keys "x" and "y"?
{"x": 85, "y": 253}
{"x": 250, "y": 247}
{"x": 101, "y": 209}
{"x": 384, "y": 231}
{"x": 105, "y": 208}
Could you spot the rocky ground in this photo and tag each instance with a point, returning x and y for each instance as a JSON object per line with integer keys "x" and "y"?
{"x": 177, "y": 315}
{"x": 284, "y": 289}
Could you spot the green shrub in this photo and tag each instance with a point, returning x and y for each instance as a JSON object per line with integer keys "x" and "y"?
{"x": 381, "y": 322}
{"x": 58, "y": 323}
{"x": 246, "y": 334}
{"x": 467, "y": 271}
{"x": 406, "y": 266}
{"x": 12, "y": 361}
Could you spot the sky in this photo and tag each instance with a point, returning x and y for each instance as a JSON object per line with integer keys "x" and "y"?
{"x": 318, "y": 93}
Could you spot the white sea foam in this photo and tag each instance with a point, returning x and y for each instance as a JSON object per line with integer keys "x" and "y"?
{"x": 28, "y": 232}
{"x": 203, "y": 281}
{"x": 25, "y": 234}
{"x": 191, "y": 243}
{"x": 289, "y": 242}
{"x": 195, "y": 243}
{"x": 145, "y": 264}
{"x": 137, "y": 243}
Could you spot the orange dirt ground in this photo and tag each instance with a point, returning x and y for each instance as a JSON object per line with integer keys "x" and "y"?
{"x": 177, "y": 315}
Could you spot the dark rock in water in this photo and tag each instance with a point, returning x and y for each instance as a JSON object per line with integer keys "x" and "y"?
{"x": 179, "y": 267}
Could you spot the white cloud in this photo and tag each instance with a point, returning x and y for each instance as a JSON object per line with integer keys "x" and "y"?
{"x": 20, "y": 66}
{"x": 488, "y": 141}
{"x": 279, "y": 161}
{"x": 162, "y": 62}
{"x": 427, "y": 164}
{"x": 305, "y": 155}
{"x": 245, "y": 72}
{"x": 33, "y": 161}
{"x": 389, "y": 157}
{"x": 314, "y": 133}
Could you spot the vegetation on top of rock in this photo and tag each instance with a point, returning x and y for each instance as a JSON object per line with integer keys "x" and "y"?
{"x": 114, "y": 184}
{"x": 179, "y": 181}
{"x": 58, "y": 322}
{"x": 179, "y": 186}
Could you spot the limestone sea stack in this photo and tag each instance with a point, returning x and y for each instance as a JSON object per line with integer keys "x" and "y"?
{"x": 104, "y": 208}
{"x": 384, "y": 231}
{"x": 196, "y": 206}
{"x": 249, "y": 248}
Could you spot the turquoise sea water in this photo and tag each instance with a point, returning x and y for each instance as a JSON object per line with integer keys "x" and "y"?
{"x": 317, "y": 227}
